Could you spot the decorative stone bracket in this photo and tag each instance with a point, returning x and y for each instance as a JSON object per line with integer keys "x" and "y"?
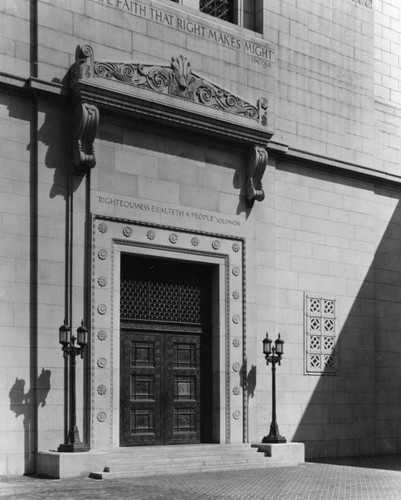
{"x": 256, "y": 164}
{"x": 85, "y": 117}
{"x": 86, "y": 120}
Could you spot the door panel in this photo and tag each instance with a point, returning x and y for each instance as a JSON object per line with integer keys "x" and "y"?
{"x": 141, "y": 390}
{"x": 160, "y": 388}
{"x": 183, "y": 389}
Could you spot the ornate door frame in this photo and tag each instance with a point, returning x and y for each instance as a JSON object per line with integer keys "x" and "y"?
{"x": 110, "y": 238}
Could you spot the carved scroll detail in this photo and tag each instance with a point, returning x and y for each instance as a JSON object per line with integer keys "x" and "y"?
{"x": 86, "y": 120}
{"x": 83, "y": 62}
{"x": 179, "y": 80}
{"x": 257, "y": 161}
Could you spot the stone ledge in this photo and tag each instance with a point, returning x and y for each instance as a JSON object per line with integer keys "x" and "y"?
{"x": 58, "y": 465}
{"x": 290, "y": 453}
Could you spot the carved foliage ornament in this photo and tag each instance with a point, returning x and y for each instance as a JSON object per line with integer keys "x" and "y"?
{"x": 364, "y": 3}
{"x": 178, "y": 80}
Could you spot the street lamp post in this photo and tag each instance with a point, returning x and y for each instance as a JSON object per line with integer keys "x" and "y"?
{"x": 273, "y": 355}
{"x": 74, "y": 443}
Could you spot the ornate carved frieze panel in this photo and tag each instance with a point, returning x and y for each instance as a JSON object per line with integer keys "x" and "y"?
{"x": 179, "y": 80}
{"x": 175, "y": 93}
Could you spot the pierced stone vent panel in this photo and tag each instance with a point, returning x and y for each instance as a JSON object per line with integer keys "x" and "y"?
{"x": 320, "y": 335}
{"x": 223, "y": 9}
{"x": 163, "y": 291}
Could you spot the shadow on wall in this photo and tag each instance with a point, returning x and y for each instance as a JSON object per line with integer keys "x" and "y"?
{"x": 55, "y": 134}
{"x": 248, "y": 383}
{"x": 357, "y": 411}
{"x": 27, "y": 404}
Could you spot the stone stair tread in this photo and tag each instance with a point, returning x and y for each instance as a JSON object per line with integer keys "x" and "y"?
{"x": 178, "y": 464}
{"x": 168, "y": 449}
{"x": 208, "y": 456}
{"x": 183, "y": 459}
{"x": 135, "y": 463}
{"x": 175, "y": 470}
{"x": 182, "y": 456}
{"x": 252, "y": 451}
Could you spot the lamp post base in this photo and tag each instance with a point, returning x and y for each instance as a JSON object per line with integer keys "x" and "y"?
{"x": 74, "y": 443}
{"x": 274, "y": 439}
{"x": 274, "y": 435}
{"x": 73, "y": 448}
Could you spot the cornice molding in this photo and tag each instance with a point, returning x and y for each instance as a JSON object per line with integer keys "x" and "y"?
{"x": 27, "y": 88}
{"x": 14, "y": 85}
{"x": 48, "y": 90}
{"x": 313, "y": 160}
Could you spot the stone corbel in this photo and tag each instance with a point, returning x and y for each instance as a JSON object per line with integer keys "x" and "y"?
{"x": 256, "y": 164}
{"x": 85, "y": 123}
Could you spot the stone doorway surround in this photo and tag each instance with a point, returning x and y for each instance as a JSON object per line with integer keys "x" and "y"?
{"x": 110, "y": 238}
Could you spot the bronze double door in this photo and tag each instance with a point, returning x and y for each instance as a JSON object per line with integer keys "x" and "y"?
{"x": 165, "y": 388}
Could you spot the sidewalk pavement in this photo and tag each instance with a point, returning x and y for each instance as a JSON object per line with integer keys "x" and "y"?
{"x": 374, "y": 478}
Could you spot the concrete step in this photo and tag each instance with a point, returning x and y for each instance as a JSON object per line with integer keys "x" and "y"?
{"x": 166, "y": 471}
{"x": 158, "y": 460}
{"x": 187, "y": 455}
{"x": 179, "y": 464}
{"x": 183, "y": 449}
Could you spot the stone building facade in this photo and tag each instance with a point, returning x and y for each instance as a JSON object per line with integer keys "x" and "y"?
{"x": 183, "y": 177}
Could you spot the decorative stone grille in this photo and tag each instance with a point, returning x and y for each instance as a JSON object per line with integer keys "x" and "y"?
{"x": 165, "y": 294}
{"x": 320, "y": 335}
{"x": 160, "y": 302}
{"x": 223, "y": 9}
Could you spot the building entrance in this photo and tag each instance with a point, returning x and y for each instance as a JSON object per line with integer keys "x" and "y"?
{"x": 166, "y": 390}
